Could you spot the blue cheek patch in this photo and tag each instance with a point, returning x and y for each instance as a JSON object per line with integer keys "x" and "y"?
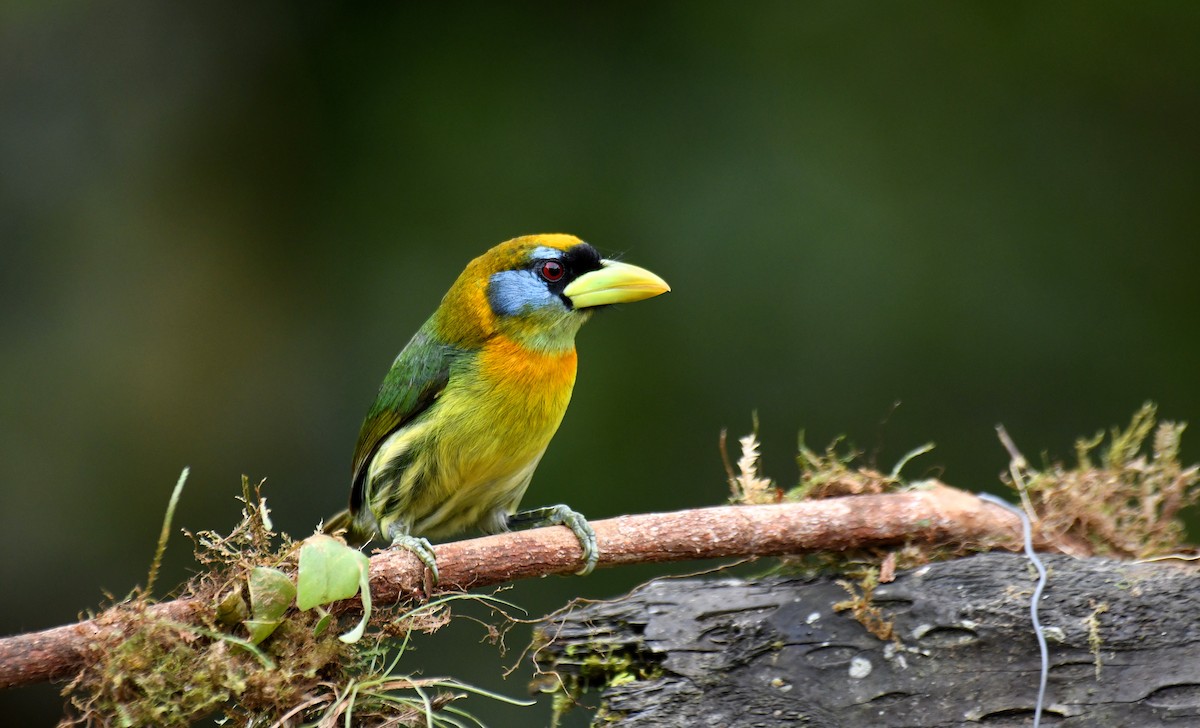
{"x": 513, "y": 292}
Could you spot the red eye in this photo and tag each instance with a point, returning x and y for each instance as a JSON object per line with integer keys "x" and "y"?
{"x": 551, "y": 270}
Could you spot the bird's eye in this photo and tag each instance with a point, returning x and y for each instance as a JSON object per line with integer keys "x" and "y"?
{"x": 551, "y": 270}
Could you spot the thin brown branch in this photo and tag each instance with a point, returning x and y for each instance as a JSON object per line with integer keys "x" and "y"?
{"x": 938, "y": 514}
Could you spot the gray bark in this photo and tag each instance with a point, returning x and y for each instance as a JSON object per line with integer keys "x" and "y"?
{"x": 774, "y": 652}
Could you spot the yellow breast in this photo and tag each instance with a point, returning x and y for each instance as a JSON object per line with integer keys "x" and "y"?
{"x": 475, "y": 456}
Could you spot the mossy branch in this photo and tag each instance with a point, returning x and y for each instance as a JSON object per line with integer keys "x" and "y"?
{"x": 933, "y": 514}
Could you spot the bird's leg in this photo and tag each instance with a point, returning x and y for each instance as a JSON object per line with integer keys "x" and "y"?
{"x": 562, "y": 516}
{"x": 419, "y": 546}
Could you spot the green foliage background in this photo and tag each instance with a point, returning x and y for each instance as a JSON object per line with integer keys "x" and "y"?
{"x": 220, "y": 221}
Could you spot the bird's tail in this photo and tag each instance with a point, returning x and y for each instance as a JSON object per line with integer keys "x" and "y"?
{"x": 353, "y": 531}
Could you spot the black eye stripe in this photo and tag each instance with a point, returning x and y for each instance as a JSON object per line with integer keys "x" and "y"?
{"x": 572, "y": 263}
{"x": 580, "y": 259}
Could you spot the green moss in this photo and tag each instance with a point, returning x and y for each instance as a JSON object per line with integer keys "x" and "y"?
{"x": 158, "y": 677}
{"x": 584, "y": 668}
{"x": 142, "y": 670}
{"x": 1124, "y": 503}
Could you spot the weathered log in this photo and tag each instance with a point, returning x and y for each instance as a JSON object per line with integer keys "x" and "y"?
{"x": 1124, "y": 649}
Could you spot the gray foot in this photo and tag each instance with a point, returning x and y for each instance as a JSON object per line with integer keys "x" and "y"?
{"x": 562, "y": 516}
{"x": 420, "y": 547}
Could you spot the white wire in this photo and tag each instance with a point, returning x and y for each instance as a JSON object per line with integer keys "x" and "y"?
{"x": 1027, "y": 532}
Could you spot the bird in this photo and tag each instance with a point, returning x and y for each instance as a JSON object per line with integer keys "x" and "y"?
{"x": 471, "y": 403}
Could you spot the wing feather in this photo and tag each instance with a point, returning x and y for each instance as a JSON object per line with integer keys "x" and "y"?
{"x": 416, "y": 379}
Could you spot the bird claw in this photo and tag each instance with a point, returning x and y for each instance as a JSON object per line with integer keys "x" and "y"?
{"x": 561, "y": 515}
{"x": 421, "y": 548}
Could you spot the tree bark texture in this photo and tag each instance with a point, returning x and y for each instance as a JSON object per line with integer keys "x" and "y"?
{"x": 1124, "y": 649}
{"x": 934, "y": 515}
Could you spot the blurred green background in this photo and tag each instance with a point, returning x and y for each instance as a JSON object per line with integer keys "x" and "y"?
{"x": 220, "y": 221}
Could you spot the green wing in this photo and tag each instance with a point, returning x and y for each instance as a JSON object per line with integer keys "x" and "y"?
{"x": 413, "y": 384}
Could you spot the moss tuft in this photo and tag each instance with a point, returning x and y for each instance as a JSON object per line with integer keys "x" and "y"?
{"x": 142, "y": 669}
{"x": 1124, "y": 503}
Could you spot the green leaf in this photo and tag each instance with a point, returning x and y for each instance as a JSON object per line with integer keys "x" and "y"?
{"x": 232, "y": 608}
{"x": 322, "y": 624}
{"x": 364, "y": 586}
{"x": 329, "y": 571}
{"x": 271, "y": 594}
{"x": 260, "y": 629}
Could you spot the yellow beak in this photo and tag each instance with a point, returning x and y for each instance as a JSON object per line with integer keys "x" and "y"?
{"x": 614, "y": 283}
